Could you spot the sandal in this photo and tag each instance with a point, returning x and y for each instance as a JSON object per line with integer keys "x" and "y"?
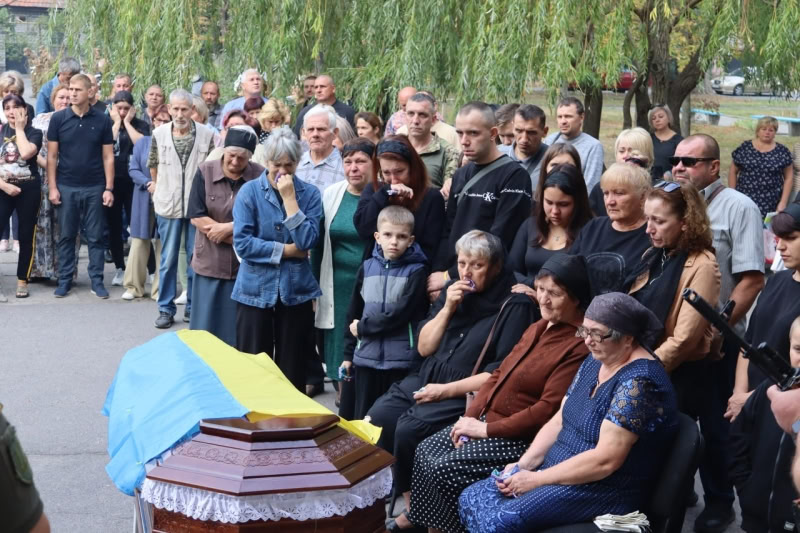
{"x": 22, "y": 289}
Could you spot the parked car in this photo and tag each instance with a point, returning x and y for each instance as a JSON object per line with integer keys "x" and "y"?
{"x": 741, "y": 82}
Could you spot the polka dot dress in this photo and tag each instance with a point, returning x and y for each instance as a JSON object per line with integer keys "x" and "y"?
{"x": 760, "y": 174}
{"x": 441, "y": 472}
{"x": 638, "y": 398}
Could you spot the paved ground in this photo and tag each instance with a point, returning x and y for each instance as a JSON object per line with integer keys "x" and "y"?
{"x": 57, "y": 358}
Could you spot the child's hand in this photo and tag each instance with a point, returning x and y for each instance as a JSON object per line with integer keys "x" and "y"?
{"x": 354, "y": 328}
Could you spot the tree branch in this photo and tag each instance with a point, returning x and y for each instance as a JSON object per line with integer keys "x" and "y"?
{"x": 688, "y": 7}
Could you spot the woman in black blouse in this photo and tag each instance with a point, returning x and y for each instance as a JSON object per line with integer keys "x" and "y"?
{"x": 450, "y": 341}
{"x": 19, "y": 181}
{"x": 404, "y": 182}
{"x": 560, "y": 211}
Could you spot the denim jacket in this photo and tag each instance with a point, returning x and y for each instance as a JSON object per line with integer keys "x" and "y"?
{"x": 260, "y": 231}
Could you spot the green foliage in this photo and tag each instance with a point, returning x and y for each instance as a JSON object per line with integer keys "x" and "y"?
{"x": 495, "y": 50}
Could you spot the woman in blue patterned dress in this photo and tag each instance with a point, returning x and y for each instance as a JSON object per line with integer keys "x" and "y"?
{"x": 603, "y": 449}
{"x": 762, "y": 169}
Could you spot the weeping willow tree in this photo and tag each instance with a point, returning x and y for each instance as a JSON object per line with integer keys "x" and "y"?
{"x": 495, "y": 50}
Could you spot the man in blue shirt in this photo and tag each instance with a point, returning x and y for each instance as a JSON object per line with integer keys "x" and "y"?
{"x": 80, "y": 175}
{"x": 67, "y": 68}
{"x": 252, "y": 86}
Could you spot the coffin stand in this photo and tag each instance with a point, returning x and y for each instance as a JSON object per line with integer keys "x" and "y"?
{"x": 262, "y": 463}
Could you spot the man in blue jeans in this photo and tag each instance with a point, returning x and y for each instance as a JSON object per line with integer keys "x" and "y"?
{"x": 176, "y": 149}
{"x": 80, "y": 174}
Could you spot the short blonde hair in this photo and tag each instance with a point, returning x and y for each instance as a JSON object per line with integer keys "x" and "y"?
{"x": 9, "y": 80}
{"x": 639, "y": 139}
{"x": 666, "y": 111}
{"x": 767, "y": 121}
{"x": 273, "y": 109}
{"x": 201, "y": 108}
{"x": 633, "y": 177}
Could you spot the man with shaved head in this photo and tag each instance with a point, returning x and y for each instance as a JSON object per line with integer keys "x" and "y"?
{"x": 398, "y": 118}
{"x": 325, "y": 93}
{"x": 252, "y": 86}
{"x": 492, "y": 193}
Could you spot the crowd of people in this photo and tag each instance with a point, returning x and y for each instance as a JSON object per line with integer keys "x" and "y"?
{"x": 506, "y": 308}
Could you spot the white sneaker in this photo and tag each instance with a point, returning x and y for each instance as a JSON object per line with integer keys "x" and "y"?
{"x": 181, "y": 300}
{"x": 119, "y": 275}
{"x": 128, "y": 295}
{"x": 4, "y": 247}
{"x": 15, "y": 247}
{"x": 150, "y": 279}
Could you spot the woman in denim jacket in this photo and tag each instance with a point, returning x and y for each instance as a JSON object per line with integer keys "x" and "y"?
{"x": 276, "y": 221}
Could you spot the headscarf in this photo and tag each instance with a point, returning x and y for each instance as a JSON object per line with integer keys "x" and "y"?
{"x": 571, "y": 272}
{"x": 621, "y": 312}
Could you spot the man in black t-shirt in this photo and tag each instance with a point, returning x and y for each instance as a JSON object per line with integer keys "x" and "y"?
{"x": 498, "y": 201}
{"x": 80, "y": 175}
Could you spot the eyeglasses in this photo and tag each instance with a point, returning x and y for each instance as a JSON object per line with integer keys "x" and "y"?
{"x": 582, "y": 332}
{"x": 668, "y": 186}
{"x": 688, "y": 161}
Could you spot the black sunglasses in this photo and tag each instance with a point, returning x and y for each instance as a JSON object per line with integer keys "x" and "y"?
{"x": 688, "y": 161}
{"x": 668, "y": 186}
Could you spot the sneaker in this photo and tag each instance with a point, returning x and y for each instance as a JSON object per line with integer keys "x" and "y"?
{"x": 715, "y": 518}
{"x": 128, "y": 295}
{"x": 181, "y": 300}
{"x": 62, "y": 289}
{"x": 15, "y": 247}
{"x": 164, "y": 320}
{"x": 119, "y": 275}
{"x": 150, "y": 278}
{"x": 4, "y": 245}
{"x": 99, "y": 290}
{"x": 186, "y": 316}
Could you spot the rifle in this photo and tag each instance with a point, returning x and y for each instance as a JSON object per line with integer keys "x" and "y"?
{"x": 764, "y": 357}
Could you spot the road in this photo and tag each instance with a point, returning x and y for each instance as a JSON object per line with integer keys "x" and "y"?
{"x": 58, "y": 359}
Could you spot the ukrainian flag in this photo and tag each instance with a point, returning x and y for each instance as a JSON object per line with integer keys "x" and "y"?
{"x": 165, "y": 387}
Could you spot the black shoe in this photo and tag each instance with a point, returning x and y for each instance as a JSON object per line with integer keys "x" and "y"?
{"x": 392, "y": 527}
{"x": 164, "y": 320}
{"x": 186, "y": 316}
{"x": 715, "y": 518}
{"x": 99, "y": 290}
{"x": 109, "y": 258}
{"x": 313, "y": 390}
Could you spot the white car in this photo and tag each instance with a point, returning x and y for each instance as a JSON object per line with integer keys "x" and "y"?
{"x": 737, "y": 84}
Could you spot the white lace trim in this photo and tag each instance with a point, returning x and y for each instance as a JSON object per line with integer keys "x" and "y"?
{"x": 206, "y": 505}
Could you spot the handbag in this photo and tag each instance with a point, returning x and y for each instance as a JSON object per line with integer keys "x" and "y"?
{"x": 470, "y": 396}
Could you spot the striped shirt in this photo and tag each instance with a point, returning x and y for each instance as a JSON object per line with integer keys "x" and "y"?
{"x": 323, "y": 174}
{"x": 738, "y": 238}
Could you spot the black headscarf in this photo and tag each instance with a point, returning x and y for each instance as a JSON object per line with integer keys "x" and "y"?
{"x": 623, "y": 313}
{"x": 572, "y": 272}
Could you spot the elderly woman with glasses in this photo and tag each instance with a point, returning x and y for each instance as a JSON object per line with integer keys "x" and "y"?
{"x": 602, "y": 450}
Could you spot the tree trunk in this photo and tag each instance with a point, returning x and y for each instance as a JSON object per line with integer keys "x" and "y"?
{"x": 627, "y": 120}
{"x": 593, "y": 104}
{"x": 686, "y": 116}
{"x": 642, "y": 107}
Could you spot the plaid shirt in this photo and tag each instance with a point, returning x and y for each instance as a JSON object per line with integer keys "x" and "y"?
{"x": 323, "y": 174}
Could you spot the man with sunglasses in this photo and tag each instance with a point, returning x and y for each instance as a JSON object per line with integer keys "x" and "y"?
{"x": 739, "y": 246}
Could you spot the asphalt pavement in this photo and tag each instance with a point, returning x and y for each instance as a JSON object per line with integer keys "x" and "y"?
{"x": 57, "y": 359}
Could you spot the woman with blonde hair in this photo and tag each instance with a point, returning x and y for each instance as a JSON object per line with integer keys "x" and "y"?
{"x": 614, "y": 244}
{"x": 762, "y": 169}
{"x": 634, "y": 146}
{"x": 273, "y": 114}
{"x": 665, "y": 139}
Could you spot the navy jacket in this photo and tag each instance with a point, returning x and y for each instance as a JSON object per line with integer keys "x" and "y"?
{"x": 389, "y": 300}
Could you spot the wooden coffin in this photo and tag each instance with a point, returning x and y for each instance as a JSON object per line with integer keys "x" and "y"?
{"x": 278, "y": 455}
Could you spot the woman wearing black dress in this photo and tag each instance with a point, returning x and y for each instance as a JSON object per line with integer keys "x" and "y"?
{"x": 560, "y": 211}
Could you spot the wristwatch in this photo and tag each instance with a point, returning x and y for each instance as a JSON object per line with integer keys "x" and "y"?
{"x": 109, "y": 190}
